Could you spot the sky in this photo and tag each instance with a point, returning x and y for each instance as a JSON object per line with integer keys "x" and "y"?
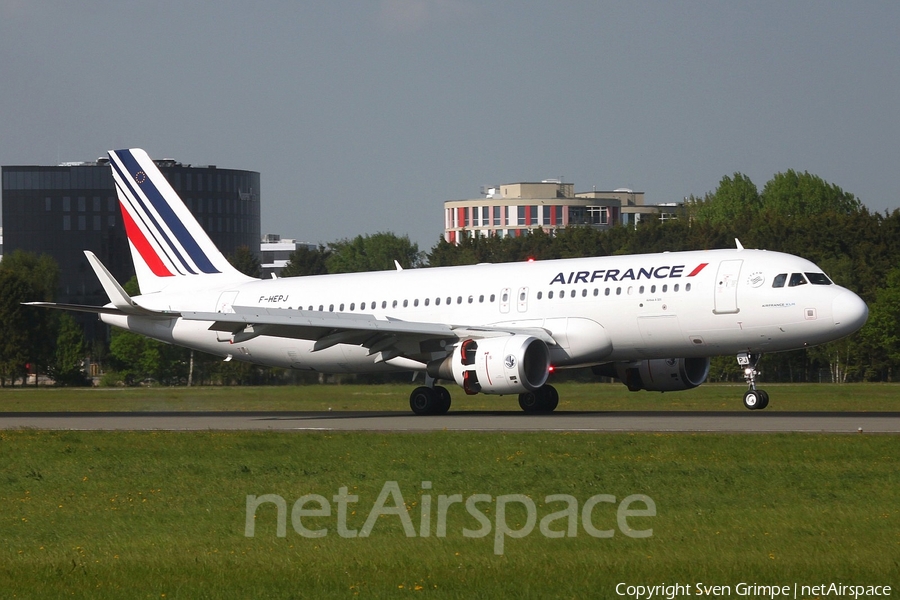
{"x": 365, "y": 116}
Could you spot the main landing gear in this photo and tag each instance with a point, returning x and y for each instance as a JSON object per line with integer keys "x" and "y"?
{"x": 435, "y": 400}
{"x": 426, "y": 400}
{"x": 754, "y": 399}
{"x": 543, "y": 399}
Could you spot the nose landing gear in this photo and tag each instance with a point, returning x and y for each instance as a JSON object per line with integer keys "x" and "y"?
{"x": 754, "y": 399}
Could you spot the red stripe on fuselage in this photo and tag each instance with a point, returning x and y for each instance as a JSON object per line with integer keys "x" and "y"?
{"x": 136, "y": 237}
{"x": 697, "y": 270}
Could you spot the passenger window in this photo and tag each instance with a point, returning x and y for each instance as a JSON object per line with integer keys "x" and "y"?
{"x": 779, "y": 280}
{"x": 405, "y": 303}
{"x": 797, "y": 279}
{"x": 687, "y": 287}
{"x": 550, "y": 295}
{"x": 676, "y": 287}
{"x": 818, "y": 279}
{"x": 427, "y": 300}
{"x": 572, "y": 294}
{"x": 540, "y": 295}
{"x": 352, "y": 305}
{"x": 584, "y": 293}
{"x": 437, "y": 301}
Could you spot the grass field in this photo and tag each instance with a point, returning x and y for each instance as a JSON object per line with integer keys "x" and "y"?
{"x": 163, "y": 514}
{"x": 573, "y": 396}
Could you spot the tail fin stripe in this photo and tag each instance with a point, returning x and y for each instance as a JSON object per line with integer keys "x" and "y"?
{"x": 134, "y": 233}
{"x": 140, "y": 212}
{"x": 168, "y": 215}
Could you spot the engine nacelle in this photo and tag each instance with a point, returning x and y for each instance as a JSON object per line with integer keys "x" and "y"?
{"x": 659, "y": 375}
{"x": 498, "y": 365}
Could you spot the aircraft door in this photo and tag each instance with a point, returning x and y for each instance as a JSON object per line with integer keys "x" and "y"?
{"x": 726, "y": 287}
{"x": 504, "y": 300}
{"x": 224, "y": 305}
{"x": 522, "y": 299}
{"x": 226, "y": 300}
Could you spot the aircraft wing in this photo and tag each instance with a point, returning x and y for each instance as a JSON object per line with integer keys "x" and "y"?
{"x": 387, "y": 338}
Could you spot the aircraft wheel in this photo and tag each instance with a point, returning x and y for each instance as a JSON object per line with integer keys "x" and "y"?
{"x": 444, "y": 400}
{"x": 530, "y": 402}
{"x": 424, "y": 401}
{"x": 549, "y": 398}
{"x": 752, "y": 400}
{"x": 763, "y": 399}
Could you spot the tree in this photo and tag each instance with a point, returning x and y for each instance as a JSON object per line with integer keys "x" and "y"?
{"x": 802, "y": 194}
{"x": 736, "y": 200}
{"x": 373, "y": 253}
{"x": 246, "y": 262}
{"x": 14, "y": 343}
{"x": 881, "y": 334}
{"x": 28, "y": 333}
{"x": 67, "y": 367}
{"x": 306, "y": 261}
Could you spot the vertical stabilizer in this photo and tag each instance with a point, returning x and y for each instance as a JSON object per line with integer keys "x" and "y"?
{"x": 169, "y": 247}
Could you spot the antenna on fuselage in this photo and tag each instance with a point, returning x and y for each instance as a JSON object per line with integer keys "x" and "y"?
{"x": 740, "y": 246}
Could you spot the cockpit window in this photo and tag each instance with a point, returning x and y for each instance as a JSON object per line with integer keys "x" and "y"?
{"x": 818, "y": 278}
{"x": 797, "y": 279}
{"x": 779, "y": 280}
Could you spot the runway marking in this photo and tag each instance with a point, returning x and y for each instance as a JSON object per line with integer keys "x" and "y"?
{"x": 580, "y": 422}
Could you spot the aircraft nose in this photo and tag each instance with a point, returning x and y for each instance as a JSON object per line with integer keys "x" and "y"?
{"x": 849, "y": 311}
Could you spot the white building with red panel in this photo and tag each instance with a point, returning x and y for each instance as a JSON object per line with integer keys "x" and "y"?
{"x": 517, "y": 208}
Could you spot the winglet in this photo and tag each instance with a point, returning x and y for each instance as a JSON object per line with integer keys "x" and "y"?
{"x": 740, "y": 246}
{"x": 397, "y": 264}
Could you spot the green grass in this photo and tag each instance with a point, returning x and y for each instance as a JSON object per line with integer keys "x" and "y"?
{"x": 574, "y": 396}
{"x": 162, "y": 514}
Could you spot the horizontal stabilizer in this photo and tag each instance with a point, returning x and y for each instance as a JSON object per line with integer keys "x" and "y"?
{"x": 104, "y": 310}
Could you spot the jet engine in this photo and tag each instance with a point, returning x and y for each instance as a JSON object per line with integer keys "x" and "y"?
{"x": 498, "y": 365}
{"x": 658, "y": 375}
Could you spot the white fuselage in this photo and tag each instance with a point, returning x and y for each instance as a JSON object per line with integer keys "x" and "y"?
{"x": 604, "y": 309}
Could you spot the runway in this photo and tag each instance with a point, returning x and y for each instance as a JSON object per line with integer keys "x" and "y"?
{"x": 643, "y": 421}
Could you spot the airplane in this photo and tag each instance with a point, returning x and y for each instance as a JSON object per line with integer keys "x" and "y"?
{"x": 650, "y": 320}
